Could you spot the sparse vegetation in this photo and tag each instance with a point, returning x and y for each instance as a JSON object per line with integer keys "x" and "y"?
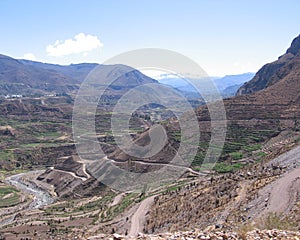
{"x": 226, "y": 167}
{"x": 276, "y": 221}
{"x": 8, "y": 196}
{"x": 120, "y": 207}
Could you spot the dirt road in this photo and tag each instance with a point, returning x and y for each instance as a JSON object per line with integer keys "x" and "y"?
{"x": 280, "y": 195}
{"x": 161, "y": 164}
{"x": 71, "y": 173}
{"x": 283, "y": 192}
{"x": 117, "y": 199}
{"x": 139, "y": 217}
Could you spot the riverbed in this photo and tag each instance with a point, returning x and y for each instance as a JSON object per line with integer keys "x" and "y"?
{"x": 40, "y": 197}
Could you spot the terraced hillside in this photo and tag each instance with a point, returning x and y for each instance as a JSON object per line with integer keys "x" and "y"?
{"x": 260, "y": 158}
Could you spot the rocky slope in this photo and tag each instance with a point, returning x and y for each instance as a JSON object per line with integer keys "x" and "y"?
{"x": 275, "y": 108}
{"x": 17, "y": 78}
{"x": 274, "y": 72}
{"x": 220, "y": 202}
{"x": 252, "y": 118}
{"x": 198, "y": 234}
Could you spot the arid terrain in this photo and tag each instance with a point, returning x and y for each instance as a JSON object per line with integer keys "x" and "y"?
{"x": 48, "y": 191}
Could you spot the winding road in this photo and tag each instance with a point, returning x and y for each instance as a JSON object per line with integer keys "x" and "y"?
{"x": 160, "y": 164}
{"x": 71, "y": 173}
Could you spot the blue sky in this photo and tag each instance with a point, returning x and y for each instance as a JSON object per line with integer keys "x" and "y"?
{"x": 224, "y": 37}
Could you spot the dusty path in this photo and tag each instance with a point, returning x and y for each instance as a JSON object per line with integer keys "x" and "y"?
{"x": 160, "y": 164}
{"x": 242, "y": 194}
{"x": 166, "y": 164}
{"x": 84, "y": 170}
{"x": 139, "y": 217}
{"x": 280, "y": 195}
{"x": 117, "y": 199}
{"x": 71, "y": 173}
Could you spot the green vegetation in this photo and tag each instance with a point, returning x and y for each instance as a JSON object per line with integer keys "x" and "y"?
{"x": 236, "y": 155}
{"x": 119, "y": 208}
{"x": 225, "y": 167}
{"x": 6, "y": 155}
{"x": 176, "y": 135}
{"x": 29, "y": 145}
{"x": 261, "y": 154}
{"x": 49, "y": 135}
{"x": 240, "y": 143}
{"x": 8, "y": 196}
{"x": 94, "y": 205}
{"x": 252, "y": 148}
{"x": 174, "y": 188}
{"x": 57, "y": 208}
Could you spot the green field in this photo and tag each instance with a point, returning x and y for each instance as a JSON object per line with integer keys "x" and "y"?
{"x": 8, "y": 196}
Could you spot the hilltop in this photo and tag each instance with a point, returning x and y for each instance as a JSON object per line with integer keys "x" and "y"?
{"x": 271, "y": 73}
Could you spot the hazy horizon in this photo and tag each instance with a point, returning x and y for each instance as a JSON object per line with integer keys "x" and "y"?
{"x": 223, "y": 37}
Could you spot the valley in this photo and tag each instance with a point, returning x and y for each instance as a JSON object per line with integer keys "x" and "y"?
{"x": 49, "y": 191}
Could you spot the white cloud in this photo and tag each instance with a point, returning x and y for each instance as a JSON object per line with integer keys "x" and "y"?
{"x": 29, "y": 56}
{"x": 81, "y": 43}
{"x": 158, "y": 74}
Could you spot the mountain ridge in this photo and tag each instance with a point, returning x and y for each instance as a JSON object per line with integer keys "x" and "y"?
{"x": 273, "y": 72}
{"x": 30, "y": 78}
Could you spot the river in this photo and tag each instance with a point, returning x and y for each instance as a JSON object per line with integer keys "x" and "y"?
{"x": 40, "y": 197}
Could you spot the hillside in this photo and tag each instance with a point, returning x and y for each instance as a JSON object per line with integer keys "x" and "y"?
{"x": 77, "y": 72}
{"x": 255, "y": 183}
{"x": 269, "y": 118}
{"x": 17, "y": 78}
{"x": 227, "y": 85}
{"x": 252, "y": 118}
{"x": 274, "y": 72}
{"x": 28, "y": 78}
{"x": 232, "y": 80}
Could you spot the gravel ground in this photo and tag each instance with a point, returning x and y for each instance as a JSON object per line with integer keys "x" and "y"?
{"x": 197, "y": 234}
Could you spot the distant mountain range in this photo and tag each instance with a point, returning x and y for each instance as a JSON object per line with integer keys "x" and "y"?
{"x": 227, "y": 85}
{"x": 29, "y": 78}
{"x": 77, "y": 72}
{"x": 18, "y": 78}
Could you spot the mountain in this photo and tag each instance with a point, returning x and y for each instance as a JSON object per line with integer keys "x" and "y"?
{"x": 29, "y": 78}
{"x": 17, "y": 78}
{"x": 227, "y": 85}
{"x": 252, "y": 119}
{"x": 231, "y": 90}
{"x": 77, "y": 72}
{"x": 122, "y": 76}
{"x": 274, "y": 72}
{"x": 232, "y": 80}
{"x": 37, "y": 133}
{"x": 264, "y": 123}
